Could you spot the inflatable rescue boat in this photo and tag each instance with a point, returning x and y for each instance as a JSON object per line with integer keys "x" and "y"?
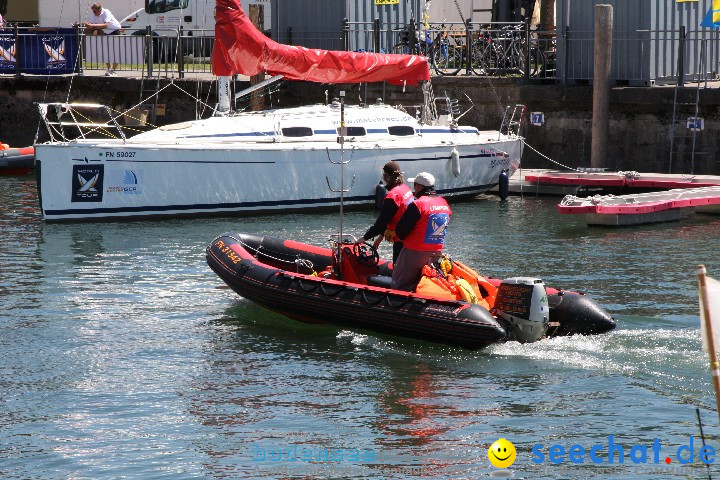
{"x": 16, "y": 161}
{"x": 349, "y": 285}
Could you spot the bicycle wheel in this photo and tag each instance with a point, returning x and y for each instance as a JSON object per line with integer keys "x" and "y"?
{"x": 537, "y": 61}
{"x": 514, "y": 60}
{"x": 447, "y": 57}
{"x": 484, "y": 58}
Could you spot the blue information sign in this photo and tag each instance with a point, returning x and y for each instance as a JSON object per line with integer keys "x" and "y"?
{"x": 695, "y": 123}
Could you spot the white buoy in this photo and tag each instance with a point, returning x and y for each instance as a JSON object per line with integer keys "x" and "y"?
{"x": 455, "y": 160}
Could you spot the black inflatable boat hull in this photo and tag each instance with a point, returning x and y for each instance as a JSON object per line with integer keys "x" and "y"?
{"x": 320, "y": 300}
{"x": 267, "y": 270}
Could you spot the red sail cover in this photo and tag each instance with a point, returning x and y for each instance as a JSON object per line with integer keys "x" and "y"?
{"x": 241, "y": 49}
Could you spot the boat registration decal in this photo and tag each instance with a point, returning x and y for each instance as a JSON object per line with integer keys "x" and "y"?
{"x": 118, "y": 154}
{"x": 443, "y": 308}
{"x": 505, "y": 162}
{"x": 228, "y": 251}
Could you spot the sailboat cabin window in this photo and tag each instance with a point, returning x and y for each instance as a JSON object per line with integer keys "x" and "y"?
{"x": 401, "y": 130}
{"x": 297, "y": 132}
{"x": 354, "y": 131}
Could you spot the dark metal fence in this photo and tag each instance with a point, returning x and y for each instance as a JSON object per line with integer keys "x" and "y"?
{"x": 498, "y": 48}
{"x": 641, "y": 57}
{"x": 167, "y": 52}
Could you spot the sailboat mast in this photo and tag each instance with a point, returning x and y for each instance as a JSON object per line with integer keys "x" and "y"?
{"x": 341, "y": 139}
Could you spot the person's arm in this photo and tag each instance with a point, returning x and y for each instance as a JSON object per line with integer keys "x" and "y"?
{"x": 98, "y": 26}
{"x": 407, "y": 221}
{"x": 389, "y": 209}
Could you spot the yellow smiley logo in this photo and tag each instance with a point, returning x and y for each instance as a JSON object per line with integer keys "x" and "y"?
{"x": 502, "y": 453}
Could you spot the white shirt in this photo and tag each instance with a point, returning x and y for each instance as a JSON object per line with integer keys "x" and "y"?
{"x": 105, "y": 17}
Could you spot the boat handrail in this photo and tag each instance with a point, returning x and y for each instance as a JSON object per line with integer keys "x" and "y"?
{"x": 77, "y": 118}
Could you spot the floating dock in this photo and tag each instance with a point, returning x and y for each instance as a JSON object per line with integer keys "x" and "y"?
{"x": 570, "y": 182}
{"x": 634, "y": 209}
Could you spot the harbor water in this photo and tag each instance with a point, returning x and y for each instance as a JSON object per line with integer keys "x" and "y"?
{"x": 123, "y": 356}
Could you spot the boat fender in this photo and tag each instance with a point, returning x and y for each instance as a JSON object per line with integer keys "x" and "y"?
{"x": 504, "y": 184}
{"x": 455, "y": 161}
{"x": 380, "y": 192}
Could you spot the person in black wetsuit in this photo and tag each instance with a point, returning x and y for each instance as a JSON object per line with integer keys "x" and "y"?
{"x": 397, "y": 199}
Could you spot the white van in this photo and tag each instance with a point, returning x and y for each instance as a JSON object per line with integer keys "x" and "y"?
{"x": 196, "y": 17}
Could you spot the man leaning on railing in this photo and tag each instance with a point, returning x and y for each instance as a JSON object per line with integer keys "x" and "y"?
{"x": 102, "y": 22}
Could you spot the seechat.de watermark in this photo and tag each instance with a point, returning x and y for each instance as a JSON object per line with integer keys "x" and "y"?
{"x": 610, "y": 456}
{"x": 297, "y": 452}
{"x": 613, "y": 453}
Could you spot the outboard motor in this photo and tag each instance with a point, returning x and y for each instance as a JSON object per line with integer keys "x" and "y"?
{"x": 523, "y": 303}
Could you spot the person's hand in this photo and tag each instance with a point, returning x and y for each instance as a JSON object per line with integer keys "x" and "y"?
{"x": 377, "y": 241}
{"x": 360, "y": 240}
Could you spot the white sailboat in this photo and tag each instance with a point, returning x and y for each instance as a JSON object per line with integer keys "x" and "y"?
{"x": 274, "y": 160}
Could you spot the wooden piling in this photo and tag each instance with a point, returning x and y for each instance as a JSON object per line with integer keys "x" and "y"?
{"x": 601, "y": 85}
{"x": 257, "y": 17}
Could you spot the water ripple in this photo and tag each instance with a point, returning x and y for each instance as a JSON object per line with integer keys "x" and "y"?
{"x": 122, "y": 357}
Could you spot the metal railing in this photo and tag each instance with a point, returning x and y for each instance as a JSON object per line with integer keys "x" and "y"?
{"x": 452, "y": 48}
{"x": 641, "y": 57}
{"x": 166, "y": 52}
{"x": 644, "y": 57}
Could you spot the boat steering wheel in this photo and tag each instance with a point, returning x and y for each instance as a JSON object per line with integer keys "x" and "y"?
{"x": 366, "y": 254}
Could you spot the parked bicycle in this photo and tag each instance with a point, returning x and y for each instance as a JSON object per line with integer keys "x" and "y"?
{"x": 443, "y": 48}
{"x": 504, "y": 51}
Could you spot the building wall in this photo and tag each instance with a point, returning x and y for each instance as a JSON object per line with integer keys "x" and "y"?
{"x": 310, "y": 23}
{"x": 19, "y": 10}
{"x": 447, "y": 11}
{"x": 318, "y": 23}
{"x": 63, "y": 13}
{"x": 645, "y": 41}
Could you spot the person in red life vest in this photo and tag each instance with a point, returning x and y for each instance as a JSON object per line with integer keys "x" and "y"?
{"x": 422, "y": 229}
{"x": 397, "y": 199}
